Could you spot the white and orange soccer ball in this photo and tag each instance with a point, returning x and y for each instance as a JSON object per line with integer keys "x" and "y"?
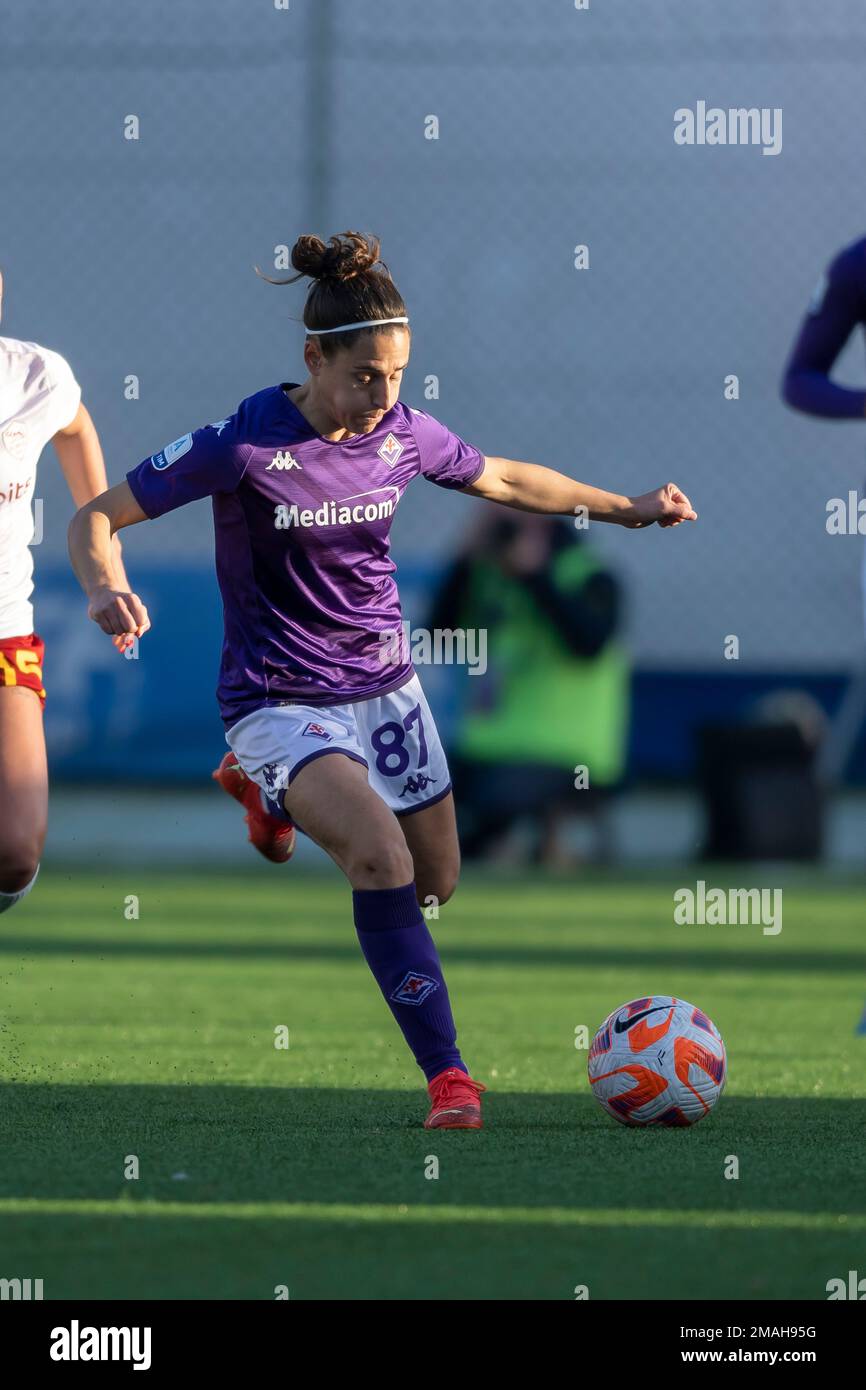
{"x": 657, "y": 1061}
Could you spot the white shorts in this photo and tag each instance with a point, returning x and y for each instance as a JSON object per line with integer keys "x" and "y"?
{"x": 394, "y": 736}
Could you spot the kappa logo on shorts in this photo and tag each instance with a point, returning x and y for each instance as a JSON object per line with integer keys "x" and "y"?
{"x": 390, "y": 451}
{"x": 414, "y": 988}
{"x": 276, "y": 777}
{"x": 317, "y": 731}
{"x": 417, "y": 784}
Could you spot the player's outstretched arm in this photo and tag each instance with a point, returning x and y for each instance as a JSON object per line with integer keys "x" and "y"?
{"x": 111, "y": 605}
{"x": 80, "y": 454}
{"x": 532, "y": 488}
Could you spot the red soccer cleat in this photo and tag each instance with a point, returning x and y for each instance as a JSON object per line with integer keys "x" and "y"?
{"x": 455, "y": 1101}
{"x": 272, "y": 837}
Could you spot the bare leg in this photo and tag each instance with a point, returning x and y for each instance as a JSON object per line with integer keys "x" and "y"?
{"x": 333, "y": 801}
{"x": 23, "y": 787}
{"x": 431, "y": 835}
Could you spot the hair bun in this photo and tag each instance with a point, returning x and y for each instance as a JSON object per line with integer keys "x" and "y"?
{"x": 346, "y": 255}
{"x": 350, "y": 285}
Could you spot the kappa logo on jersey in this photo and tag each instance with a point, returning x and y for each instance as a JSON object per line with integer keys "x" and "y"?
{"x": 14, "y": 439}
{"x": 283, "y": 460}
{"x": 390, "y": 451}
{"x": 316, "y": 731}
{"x": 219, "y": 425}
{"x": 172, "y": 451}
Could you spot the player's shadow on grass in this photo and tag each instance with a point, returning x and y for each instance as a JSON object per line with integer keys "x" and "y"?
{"x": 250, "y": 1144}
{"x": 692, "y": 957}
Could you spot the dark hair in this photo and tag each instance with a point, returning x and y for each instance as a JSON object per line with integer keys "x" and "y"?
{"x": 346, "y": 286}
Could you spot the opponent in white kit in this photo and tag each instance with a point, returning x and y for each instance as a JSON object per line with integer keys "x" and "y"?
{"x": 39, "y": 400}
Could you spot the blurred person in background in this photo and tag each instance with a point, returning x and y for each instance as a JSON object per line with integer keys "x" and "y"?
{"x": 39, "y": 400}
{"x": 554, "y": 697}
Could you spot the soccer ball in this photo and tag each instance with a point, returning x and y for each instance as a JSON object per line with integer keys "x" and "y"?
{"x": 657, "y": 1061}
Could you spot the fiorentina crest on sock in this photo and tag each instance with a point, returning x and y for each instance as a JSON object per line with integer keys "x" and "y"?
{"x": 414, "y": 988}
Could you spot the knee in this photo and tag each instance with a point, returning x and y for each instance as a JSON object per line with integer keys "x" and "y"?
{"x": 382, "y": 861}
{"x": 438, "y": 887}
{"x": 19, "y": 860}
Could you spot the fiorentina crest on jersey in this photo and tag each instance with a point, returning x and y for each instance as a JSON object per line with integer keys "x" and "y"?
{"x": 390, "y": 451}
{"x": 414, "y": 988}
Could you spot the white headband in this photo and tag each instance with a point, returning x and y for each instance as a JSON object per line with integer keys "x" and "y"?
{"x": 348, "y": 327}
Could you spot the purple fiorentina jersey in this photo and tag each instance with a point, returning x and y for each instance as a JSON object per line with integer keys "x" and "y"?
{"x": 302, "y": 543}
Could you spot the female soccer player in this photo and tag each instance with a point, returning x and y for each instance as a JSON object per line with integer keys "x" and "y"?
{"x": 39, "y": 400}
{"x": 837, "y": 308}
{"x": 838, "y": 305}
{"x": 327, "y": 723}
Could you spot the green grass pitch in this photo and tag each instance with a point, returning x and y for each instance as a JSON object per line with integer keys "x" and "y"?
{"x": 305, "y": 1167}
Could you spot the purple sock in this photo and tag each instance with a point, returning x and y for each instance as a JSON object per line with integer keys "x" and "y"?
{"x": 402, "y": 955}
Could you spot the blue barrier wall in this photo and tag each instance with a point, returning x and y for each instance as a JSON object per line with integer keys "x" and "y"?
{"x": 155, "y": 718}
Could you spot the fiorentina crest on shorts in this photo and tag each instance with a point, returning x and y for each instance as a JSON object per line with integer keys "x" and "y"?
{"x": 414, "y": 988}
{"x": 316, "y": 731}
{"x": 390, "y": 451}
